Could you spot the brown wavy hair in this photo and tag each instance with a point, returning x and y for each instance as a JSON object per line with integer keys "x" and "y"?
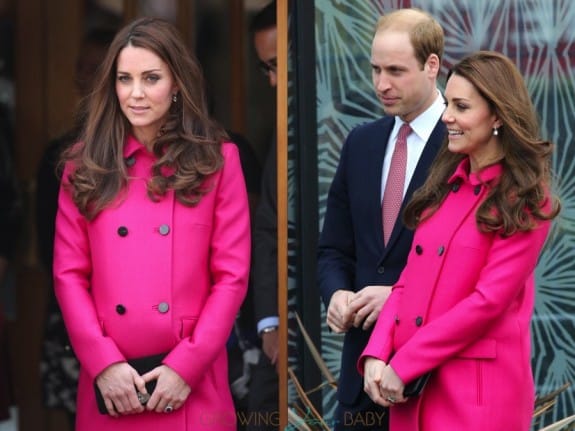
{"x": 189, "y": 143}
{"x": 522, "y": 195}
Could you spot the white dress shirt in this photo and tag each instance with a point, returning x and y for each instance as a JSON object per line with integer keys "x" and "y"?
{"x": 421, "y": 127}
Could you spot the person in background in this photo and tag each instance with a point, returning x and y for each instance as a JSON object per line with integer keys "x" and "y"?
{"x": 242, "y": 346}
{"x": 363, "y": 245}
{"x": 152, "y": 245}
{"x": 263, "y": 395}
{"x": 461, "y": 310}
{"x": 59, "y": 367}
{"x": 10, "y": 213}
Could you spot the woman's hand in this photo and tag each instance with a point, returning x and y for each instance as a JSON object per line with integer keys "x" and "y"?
{"x": 381, "y": 383}
{"x": 391, "y": 387}
{"x": 372, "y": 371}
{"x": 171, "y": 390}
{"x": 119, "y": 384}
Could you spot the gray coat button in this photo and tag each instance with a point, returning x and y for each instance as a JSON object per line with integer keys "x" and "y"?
{"x": 123, "y": 231}
{"x": 380, "y": 269}
{"x": 418, "y": 249}
{"x": 440, "y": 250}
{"x": 418, "y": 321}
{"x": 130, "y": 161}
{"x": 164, "y": 229}
{"x": 477, "y": 190}
{"x": 120, "y": 309}
{"x": 163, "y": 307}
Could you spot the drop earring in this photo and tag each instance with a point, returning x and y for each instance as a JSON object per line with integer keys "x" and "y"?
{"x": 495, "y": 131}
{"x": 175, "y": 98}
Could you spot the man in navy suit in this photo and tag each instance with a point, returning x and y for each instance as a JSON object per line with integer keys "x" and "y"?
{"x": 356, "y": 268}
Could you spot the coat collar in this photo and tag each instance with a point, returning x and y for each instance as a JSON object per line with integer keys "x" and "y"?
{"x": 484, "y": 176}
{"x": 132, "y": 146}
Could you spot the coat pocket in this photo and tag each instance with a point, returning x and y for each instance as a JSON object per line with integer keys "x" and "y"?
{"x": 482, "y": 349}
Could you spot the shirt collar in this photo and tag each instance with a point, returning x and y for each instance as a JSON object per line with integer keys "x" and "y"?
{"x": 425, "y": 122}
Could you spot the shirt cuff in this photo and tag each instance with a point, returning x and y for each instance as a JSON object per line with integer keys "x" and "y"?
{"x": 268, "y": 321}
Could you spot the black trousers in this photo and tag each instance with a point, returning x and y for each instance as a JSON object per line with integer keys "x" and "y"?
{"x": 263, "y": 397}
{"x": 258, "y": 410}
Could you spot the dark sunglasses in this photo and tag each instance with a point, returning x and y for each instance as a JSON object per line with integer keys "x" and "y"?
{"x": 269, "y": 66}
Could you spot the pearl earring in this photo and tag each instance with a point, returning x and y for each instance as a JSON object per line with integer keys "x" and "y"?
{"x": 175, "y": 98}
{"x": 495, "y": 131}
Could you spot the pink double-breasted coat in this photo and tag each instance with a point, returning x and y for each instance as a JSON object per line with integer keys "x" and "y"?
{"x": 148, "y": 277}
{"x": 462, "y": 310}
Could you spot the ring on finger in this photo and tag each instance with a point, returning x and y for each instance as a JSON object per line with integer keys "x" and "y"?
{"x": 143, "y": 398}
{"x": 391, "y": 399}
{"x": 168, "y": 409}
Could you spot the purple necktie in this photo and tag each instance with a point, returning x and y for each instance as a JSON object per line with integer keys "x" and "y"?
{"x": 393, "y": 193}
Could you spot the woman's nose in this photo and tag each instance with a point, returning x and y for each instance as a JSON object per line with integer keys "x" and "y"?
{"x": 137, "y": 90}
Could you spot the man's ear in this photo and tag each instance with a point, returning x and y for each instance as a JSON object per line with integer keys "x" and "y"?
{"x": 433, "y": 64}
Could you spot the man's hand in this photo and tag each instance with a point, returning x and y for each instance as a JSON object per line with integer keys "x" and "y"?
{"x": 270, "y": 346}
{"x": 365, "y": 305}
{"x": 338, "y": 319}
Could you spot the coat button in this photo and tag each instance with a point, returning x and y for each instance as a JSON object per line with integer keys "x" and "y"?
{"x": 380, "y": 269}
{"x": 123, "y": 231}
{"x": 163, "y": 307}
{"x": 418, "y": 249}
{"x": 477, "y": 190}
{"x": 396, "y": 319}
{"x": 455, "y": 187}
{"x": 418, "y": 321}
{"x": 120, "y": 309}
{"x": 440, "y": 250}
{"x": 164, "y": 229}
{"x": 130, "y": 161}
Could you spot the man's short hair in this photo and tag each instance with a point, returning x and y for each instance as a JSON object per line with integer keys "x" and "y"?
{"x": 265, "y": 18}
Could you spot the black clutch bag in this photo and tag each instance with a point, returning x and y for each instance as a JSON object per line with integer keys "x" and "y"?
{"x": 142, "y": 366}
{"x": 414, "y": 388}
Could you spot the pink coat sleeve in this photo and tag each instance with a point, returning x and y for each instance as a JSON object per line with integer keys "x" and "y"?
{"x": 72, "y": 276}
{"x": 380, "y": 344}
{"x": 229, "y": 267}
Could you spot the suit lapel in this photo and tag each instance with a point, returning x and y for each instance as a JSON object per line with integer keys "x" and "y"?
{"x": 377, "y": 148}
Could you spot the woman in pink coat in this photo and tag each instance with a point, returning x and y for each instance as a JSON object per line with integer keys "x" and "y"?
{"x": 152, "y": 243}
{"x": 461, "y": 310}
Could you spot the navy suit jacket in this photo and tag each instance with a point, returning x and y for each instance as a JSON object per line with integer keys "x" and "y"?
{"x": 351, "y": 252}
